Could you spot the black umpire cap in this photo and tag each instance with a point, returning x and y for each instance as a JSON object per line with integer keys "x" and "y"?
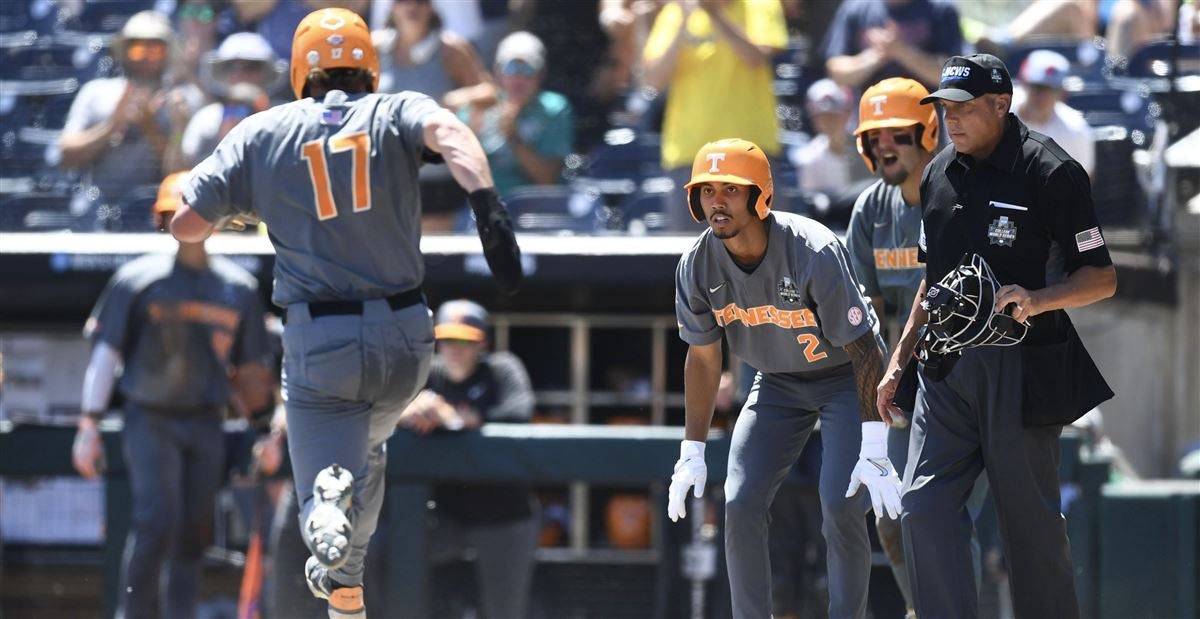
{"x": 967, "y": 77}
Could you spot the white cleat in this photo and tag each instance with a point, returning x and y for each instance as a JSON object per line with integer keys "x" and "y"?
{"x": 344, "y": 602}
{"x": 327, "y": 530}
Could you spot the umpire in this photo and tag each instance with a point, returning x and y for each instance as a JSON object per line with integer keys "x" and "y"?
{"x": 1015, "y": 198}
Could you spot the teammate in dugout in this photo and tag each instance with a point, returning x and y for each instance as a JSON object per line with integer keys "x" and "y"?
{"x": 334, "y": 177}
{"x": 780, "y": 288}
{"x": 176, "y": 329}
{"x": 897, "y": 136}
{"x": 1013, "y": 198}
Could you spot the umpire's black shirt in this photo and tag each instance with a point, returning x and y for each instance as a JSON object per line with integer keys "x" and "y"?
{"x": 1012, "y": 207}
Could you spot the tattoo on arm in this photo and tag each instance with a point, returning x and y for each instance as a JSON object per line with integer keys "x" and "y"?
{"x": 867, "y": 359}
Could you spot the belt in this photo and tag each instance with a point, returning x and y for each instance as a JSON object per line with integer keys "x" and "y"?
{"x": 340, "y": 308}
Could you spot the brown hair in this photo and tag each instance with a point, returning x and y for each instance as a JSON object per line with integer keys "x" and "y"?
{"x": 351, "y": 81}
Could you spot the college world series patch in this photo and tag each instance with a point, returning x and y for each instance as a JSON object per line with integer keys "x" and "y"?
{"x": 1002, "y": 232}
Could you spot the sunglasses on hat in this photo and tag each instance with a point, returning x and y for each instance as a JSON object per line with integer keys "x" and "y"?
{"x": 518, "y": 67}
{"x": 146, "y": 50}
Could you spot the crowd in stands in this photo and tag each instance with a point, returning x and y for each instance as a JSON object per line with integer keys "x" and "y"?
{"x": 589, "y": 111}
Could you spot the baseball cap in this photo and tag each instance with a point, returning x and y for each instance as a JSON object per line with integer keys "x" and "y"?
{"x": 826, "y": 96}
{"x": 967, "y": 77}
{"x": 1045, "y": 68}
{"x": 461, "y": 320}
{"x": 245, "y": 46}
{"x": 170, "y": 197}
{"x": 522, "y": 46}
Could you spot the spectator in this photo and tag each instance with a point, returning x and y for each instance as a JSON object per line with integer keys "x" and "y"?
{"x": 529, "y": 131}
{"x": 828, "y": 163}
{"x": 714, "y": 60}
{"x": 118, "y": 128}
{"x": 196, "y": 23}
{"x": 179, "y": 325}
{"x": 1075, "y": 20}
{"x": 870, "y": 40}
{"x": 276, "y": 20}
{"x": 1039, "y": 104}
{"x": 241, "y": 73}
{"x": 417, "y": 53}
{"x": 1134, "y": 23}
{"x": 467, "y": 387}
{"x": 627, "y": 24}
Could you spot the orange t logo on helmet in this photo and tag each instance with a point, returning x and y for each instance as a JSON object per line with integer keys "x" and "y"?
{"x": 895, "y": 102}
{"x": 331, "y": 39}
{"x": 735, "y": 161}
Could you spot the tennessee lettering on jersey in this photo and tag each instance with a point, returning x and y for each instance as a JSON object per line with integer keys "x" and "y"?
{"x": 225, "y": 321}
{"x": 765, "y": 315}
{"x": 897, "y": 258}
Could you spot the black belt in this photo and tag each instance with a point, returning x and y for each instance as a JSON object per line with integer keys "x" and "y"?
{"x": 340, "y": 308}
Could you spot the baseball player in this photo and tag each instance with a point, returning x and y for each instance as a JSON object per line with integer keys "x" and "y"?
{"x": 1008, "y": 203}
{"x": 779, "y": 287}
{"x": 897, "y": 136}
{"x": 178, "y": 324}
{"x": 334, "y": 177}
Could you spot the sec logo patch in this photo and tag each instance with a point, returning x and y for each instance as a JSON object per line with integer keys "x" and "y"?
{"x": 855, "y": 316}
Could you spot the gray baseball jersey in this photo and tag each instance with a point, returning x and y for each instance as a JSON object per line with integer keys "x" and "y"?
{"x": 287, "y": 164}
{"x": 882, "y": 240}
{"x": 179, "y": 330}
{"x": 793, "y": 313}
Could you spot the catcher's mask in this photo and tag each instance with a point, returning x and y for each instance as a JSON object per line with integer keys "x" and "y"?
{"x": 960, "y": 311}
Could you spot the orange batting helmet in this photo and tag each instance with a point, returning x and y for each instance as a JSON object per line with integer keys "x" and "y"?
{"x": 331, "y": 39}
{"x": 895, "y": 102}
{"x": 735, "y": 161}
{"x": 170, "y": 196}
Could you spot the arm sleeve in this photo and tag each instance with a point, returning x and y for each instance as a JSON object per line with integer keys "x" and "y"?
{"x": 692, "y": 310}
{"x": 514, "y": 401}
{"x": 252, "y": 344}
{"x": 99, "y": 379}
{"x": 765, "y": 24}
{"x": 1067, "y": 196}
{"x": 834, "y": 291}
{"x": 110, "y": 318}
{"x": 948, "y": 38}
{"x": 220, "y": 185}
{"x": 862, "y": 250}
{"x": 668, "y": 21}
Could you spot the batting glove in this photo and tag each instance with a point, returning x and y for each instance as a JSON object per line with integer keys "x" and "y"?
{"x": 875, "y": 471}
{"x": 690, "y": 471}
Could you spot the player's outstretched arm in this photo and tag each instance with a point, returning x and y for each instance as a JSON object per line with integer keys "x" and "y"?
{"x": 701, "y": 377}
{"x": 447, "y": 135}
{"x": 867, "y": 359}
{"x": 873, "y": 470}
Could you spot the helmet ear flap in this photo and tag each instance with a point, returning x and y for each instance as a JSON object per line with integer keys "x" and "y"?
{"x": 694, "y": 207}
{"x": 864, "y": 150}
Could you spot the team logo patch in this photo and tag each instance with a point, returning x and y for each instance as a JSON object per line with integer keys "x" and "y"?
{"x": 1002, "y": 232}
{"x": 996, "y": 76}
{"x": 854, "y": 315}
{"x": 787, "y": 291}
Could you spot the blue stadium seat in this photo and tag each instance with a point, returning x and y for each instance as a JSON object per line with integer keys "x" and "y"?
{"x": 550, "y": 208}
{"x": 626, "y": 155}
{"x": 107, "y": 15}
{"x": 640, "y": 212}
{"x": 45, "y": 210}
{"x": 39, "y": 69}
{"x": 15, "y": 16}
{"x": 1086, "y": 58}
{"x": 1153, "y": 60}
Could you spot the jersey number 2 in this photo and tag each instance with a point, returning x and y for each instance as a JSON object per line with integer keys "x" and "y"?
{"x": 318, "y": 171}
{"x": 810, "y": 343}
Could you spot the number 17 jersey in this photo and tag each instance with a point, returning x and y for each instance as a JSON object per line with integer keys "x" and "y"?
{"x": 335, "y": 181}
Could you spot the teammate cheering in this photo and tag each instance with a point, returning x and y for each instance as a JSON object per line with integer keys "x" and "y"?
{"x": 334, "y": 176}
{"x": 781, "y": 290}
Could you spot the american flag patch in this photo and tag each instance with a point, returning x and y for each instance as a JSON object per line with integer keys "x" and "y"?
{"x": 331, "y": 116}
{"x": 1089, "y": 239}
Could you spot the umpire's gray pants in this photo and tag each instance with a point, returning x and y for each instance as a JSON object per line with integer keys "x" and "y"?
{"x": 968, "y": 422}
{"x": 777, "y": 419}
{"x": 346, "y": 380}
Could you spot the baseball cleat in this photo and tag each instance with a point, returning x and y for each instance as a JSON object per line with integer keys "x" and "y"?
{"x": 344, "y": 602}
{"x": 327, "y": 530}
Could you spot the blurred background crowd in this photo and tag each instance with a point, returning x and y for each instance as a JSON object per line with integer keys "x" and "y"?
{"x": 589, "y": 110}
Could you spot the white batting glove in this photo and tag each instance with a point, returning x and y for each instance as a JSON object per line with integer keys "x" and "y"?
{"x": 690, "y": 471}
{"x": 875, "y": 471}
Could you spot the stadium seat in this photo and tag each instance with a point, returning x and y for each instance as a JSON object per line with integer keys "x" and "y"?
{"x": 627, "y": 157}
{"x": 550, "y": 208}
{"x": 39, "y": 69}
{"x": 1153, "y": 60}
{"x": 639, "y": 213}
{"x": 1086, "y": 58}
{"x": 107, "y": 15}
{"x": 45, "y": 210}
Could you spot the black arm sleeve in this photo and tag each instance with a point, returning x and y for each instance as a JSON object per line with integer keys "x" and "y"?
{"x": 499, "y": 241}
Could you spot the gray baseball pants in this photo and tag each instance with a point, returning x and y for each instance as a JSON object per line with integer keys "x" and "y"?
{"x": 771, "y": 430}
{"x": 969, "y": 422}
{"x": 346, "y": 380}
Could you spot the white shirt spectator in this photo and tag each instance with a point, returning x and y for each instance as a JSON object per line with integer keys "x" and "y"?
{"x": 1067, "y": 127}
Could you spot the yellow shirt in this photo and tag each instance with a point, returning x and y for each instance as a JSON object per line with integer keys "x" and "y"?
{"x": 713, "y": 94}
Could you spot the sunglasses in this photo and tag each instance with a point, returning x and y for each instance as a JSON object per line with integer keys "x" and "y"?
{"x": 244, "y": 66}
{"x": 146, "y": 50}
{"x": 197, "y": 12}
{"x": 518, "y": 67}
